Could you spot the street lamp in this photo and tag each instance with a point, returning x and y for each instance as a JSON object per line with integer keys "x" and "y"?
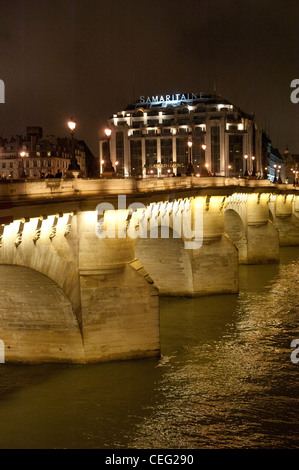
{"x": 279, "y": 176}
{"x": 266, "y": 173}
{"x": 73, "y": 166}
{"x": 229, "y": 168}
{"x": 275, "y": 166}
{"x": 246, "y": 169}
{"x": 204, "y": 166}
{"x": 253, "y": 169}
{"x": 190, "y": 169}
{"x": 108, "y": 169}
{"x": 22, "y": 155}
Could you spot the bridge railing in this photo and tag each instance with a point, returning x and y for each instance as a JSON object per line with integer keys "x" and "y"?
{"x": 33, "y": 189}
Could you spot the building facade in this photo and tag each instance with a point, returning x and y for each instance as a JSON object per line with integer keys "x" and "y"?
{"x": 161, "y": 135}
{"x": 291, "y": 162}
{"x": 273, "y": 161}
{"x": 34, "y": 156}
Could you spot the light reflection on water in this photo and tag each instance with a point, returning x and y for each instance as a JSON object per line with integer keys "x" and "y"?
{"x": 225, "y": 379}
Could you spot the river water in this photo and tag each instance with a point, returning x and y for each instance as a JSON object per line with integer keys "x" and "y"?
{"x": 225, "y": 379}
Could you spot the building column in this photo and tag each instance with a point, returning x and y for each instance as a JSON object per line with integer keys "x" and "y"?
{"x": 208, "y": 157}
{"x": 249, "y": 146}
{"x": 113, "y": 147}
{"x": 223, "y": 157}
{"x": 159, "y": 154}
{"x": 174, "y": 157}
{"x": 127, "y": 153}
{"x": 143, "y": 156}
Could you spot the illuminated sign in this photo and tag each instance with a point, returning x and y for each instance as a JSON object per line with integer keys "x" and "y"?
{"x": 165, "y": 100}
{"x": 2, "y": 92}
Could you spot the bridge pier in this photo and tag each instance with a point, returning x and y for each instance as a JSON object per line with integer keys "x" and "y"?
{"x": 215, "y": 264}
{"x": 120, "y": 306}
{"x": 262, "y": 236}
{"x": 286, "y": 219}
{"x": 248, "y": 225}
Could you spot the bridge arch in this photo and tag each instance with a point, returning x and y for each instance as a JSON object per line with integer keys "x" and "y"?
{"x": 37, "y": 322}
{"x": 55, "y": 258}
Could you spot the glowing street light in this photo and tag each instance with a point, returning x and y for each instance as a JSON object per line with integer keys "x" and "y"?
{"x": 253, "y": 168}
{"x": 22, "y": 155}
{"x": 73, "y": 166}
{"x": 108, "y": 169}
{"x": 72, "y": 125}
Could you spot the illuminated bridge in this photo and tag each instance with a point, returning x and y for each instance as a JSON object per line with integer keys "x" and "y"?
{"x": 71, "y": 294}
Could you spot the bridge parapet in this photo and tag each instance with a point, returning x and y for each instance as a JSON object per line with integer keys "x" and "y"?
{"x": 56, "y": 188}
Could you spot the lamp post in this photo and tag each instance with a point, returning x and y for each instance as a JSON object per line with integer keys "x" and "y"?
{"x": 73, "y": 166}
{"x": 253, "y": 168}
{"x": 190, "y": 169}
{"x": 229, "y": 168}
{"x": 266, "y": 173}
{"x": 246, "y": 169}
{"x": 204, "y": 165}
{"x": 22, "y": 155}
{"x": 108, "y": 169}
{"x": 279, "y": 175}
{"x": 275, "y": 167}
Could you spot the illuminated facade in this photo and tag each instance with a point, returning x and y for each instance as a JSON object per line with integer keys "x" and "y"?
{"x": 150, "y": 137}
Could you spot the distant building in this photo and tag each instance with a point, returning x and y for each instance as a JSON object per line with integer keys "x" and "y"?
{"x": 273, "y": 161}
{"x": 150, "y": 137}
{"x": 34, "y": 156}
{"x": 291, "y": 166}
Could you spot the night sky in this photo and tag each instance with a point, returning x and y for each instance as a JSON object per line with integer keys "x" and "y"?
{"x": 91, "y": 58}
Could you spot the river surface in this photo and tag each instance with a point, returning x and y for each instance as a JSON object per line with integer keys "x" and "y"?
{"x": 225, "y": 379}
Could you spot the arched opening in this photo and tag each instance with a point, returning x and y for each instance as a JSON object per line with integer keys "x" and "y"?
{"x": 37, "y": 322}
{"x": 235, "y": 229}
{"x": 167, "y": 262}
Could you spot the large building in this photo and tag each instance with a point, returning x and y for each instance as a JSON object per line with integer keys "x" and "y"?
{"x": 160, "y": 135}
{"x": 34, "y": 156}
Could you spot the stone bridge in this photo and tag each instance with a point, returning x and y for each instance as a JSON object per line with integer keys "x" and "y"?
{"x": 71, "y": 292}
